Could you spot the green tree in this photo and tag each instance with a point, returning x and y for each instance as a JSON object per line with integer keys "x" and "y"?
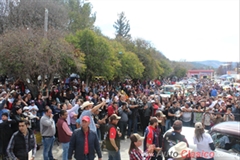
{"x": 80, "y": 15}
{"x": 129, "y": 65}
{"x": 122, "y": 26}
{"x": 26, "y": 54}
{"x": 99, "y": 55}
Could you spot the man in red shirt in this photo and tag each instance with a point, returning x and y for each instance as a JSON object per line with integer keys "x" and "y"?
{"x": 84, "y": 142}
{"x": 113, "y": 109}
{"x": 113, "y": 138}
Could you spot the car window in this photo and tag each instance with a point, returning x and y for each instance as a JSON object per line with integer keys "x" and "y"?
{"x": 225, "y": 142}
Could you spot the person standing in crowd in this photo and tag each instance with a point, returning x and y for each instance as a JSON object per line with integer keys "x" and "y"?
{"x": 113, "y": 138}
{"x": 204, "y": 143}
{"x": 147, "y": 111}
{"x": 88, "y": 110}
{"x": 187, "y": 114}
{"x": 135, "y": 153}
{"x": 179, "y": 151}
{"x": 123, "y": 112}
{"x": 84, "y": 142}
{"x": 174, "y": 112}
{"x": 206, "y": 119}
{"x": 5, "y": 133}
{"x": 152, "y": 138}
{"x": 47, "y": 130}
{"x": 172, "y": 138}
{"x": 64, "y": 133}
{"x": 229, "y": 116}
{"x": 22, "y": 142}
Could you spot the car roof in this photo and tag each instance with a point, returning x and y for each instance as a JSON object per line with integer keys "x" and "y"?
{"x": 230, "y": 127}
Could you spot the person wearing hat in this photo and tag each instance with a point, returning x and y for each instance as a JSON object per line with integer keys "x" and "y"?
{"x": 204, "y": 143}
{"x": 113, "y": 138}
{"x": 171, "y": 138}
{"x": 152, "y": 138}
{"x": 135, "y": 153}
{"x": 161, "y": 118}
{"x": 89, "y": 110}
{"x": 31, "y": 118}
{"x": 33, "y": 107}
{"x": 84, "y": 142}
{"x": 180, "y": 151}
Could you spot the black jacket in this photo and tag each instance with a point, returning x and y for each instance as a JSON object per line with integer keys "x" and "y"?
{"x": 19, "y": 147}
{"x": 77, "y": 145}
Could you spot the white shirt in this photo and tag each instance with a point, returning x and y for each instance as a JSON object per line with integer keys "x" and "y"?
{"x": 186, "y": 116}
{"x": 203, "y": 146}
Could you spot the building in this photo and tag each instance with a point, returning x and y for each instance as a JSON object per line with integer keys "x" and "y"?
{"x": 201, "y": 73}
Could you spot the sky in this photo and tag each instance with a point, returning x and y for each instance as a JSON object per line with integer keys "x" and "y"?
{"x": 191, "y": 30}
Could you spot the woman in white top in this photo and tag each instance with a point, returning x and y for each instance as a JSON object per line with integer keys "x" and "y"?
{"x": 204, "y": 142}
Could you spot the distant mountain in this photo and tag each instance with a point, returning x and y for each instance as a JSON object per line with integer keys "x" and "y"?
{"x": 210, "y": 63}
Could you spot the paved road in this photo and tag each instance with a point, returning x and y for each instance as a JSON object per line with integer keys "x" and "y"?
{"x": 57, "y": 151}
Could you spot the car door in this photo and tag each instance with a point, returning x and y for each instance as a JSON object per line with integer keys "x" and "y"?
{"x": 225, "y": 150}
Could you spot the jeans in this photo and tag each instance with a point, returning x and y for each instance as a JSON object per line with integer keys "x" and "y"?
{"x": 99, "y": 134}
{"x": 123, "y": 128}
{"x": 207, "y": 127}
{"x": 113, "y": 155}
{"x": 65, "y": 147}
{"x": 168, "y": 125}
{"x": 73, "y": 127}
{"x": 186, "y": 124}
{"x": 132, "y": 122}
{"x": 47, "y": 147}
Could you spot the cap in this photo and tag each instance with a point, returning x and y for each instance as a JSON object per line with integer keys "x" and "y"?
{"x": 86, "y": 118}
{"x": 5, "y": 114}
{"x": 114, "y": 117}
{"x": 198, "y": 125}
{"x": 32, "y": 101}
{"x": 25, "y": 108}
{"x": 136, "y": 137}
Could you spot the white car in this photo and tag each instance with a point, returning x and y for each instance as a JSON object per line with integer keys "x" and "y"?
{"x": 229, "y": 131}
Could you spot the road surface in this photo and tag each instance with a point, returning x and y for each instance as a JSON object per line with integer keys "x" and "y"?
{"x": 57, "y": 151}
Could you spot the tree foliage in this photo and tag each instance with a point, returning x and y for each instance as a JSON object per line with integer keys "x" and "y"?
{"x": 99, "y": 56}
{"x": 30, "y": 14}
{"x": 27, "y": 55}
{"x": 122, "y": 26}
{"x": 80, "y": 15}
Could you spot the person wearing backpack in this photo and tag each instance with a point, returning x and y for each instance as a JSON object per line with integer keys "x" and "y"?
{"x": 172, "y": 138}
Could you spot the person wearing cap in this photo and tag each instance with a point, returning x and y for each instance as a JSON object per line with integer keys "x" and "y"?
{"x": 30, "y": 117}
{"x": 152, "y": 138}
{"x": 187, "y": 114}
{"x": 179, "y": 151}
{"x": 161, "y": 118}
{"x": 204, "y": 143}
{"x": 5, "y": 133}
{"x": 64, "y": 133}
{"x": 171, "y": 138}
{"x": 89, "y": 110}
{"x": 33, "y": 108}
{"x": 113, "y": 138}
{"x": 84, "y": 142}
{"x": 135, "y": 153}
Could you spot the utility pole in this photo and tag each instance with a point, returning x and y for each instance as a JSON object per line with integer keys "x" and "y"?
{"x": 46, "y": 23}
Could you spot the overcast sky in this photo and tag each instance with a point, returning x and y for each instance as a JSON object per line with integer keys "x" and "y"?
{"x": 191, "y": 30}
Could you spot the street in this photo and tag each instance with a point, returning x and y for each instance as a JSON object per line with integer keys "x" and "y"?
{"x": 57, "y": 151}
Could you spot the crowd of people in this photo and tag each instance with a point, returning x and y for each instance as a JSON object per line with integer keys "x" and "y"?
{"x": 101, "y": 114}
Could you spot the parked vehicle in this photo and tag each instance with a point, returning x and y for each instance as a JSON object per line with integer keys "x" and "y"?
{"x": 226, "y": 138}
